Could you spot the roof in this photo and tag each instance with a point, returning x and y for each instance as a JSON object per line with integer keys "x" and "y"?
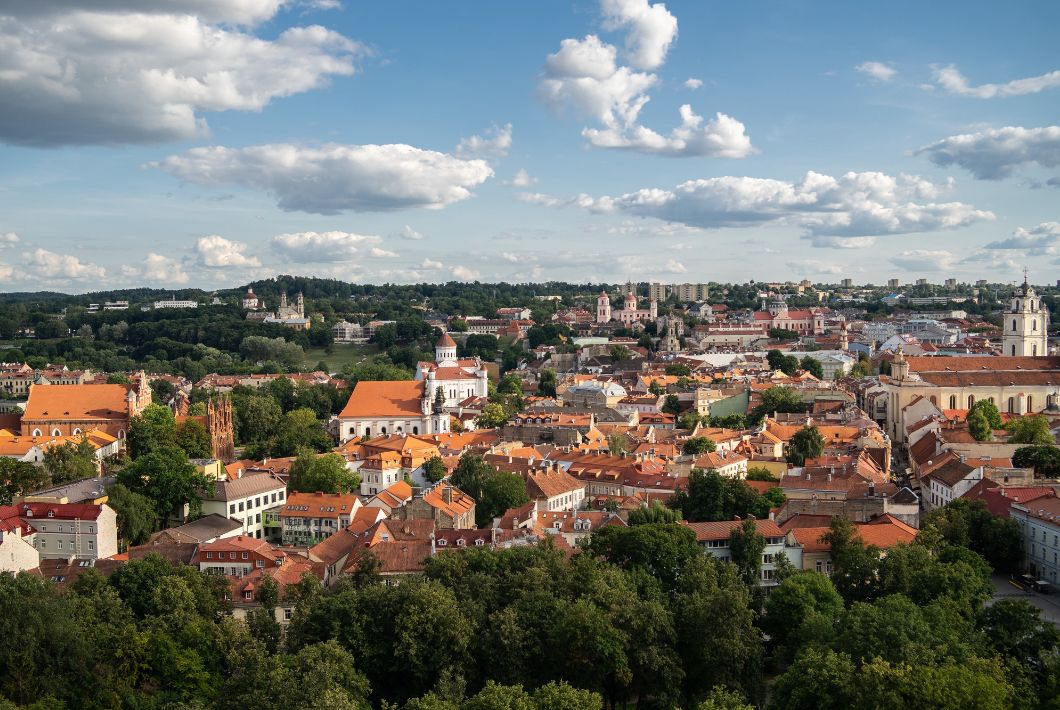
{"x": 458, "y": 505}
{"x": 386, "y": 398}
{"x": 60, "y": 511}
{"x": 549, "y": 483}
{"x": 205, "y": 528}
{"x": 246, "y": 485}
{"x": 320, "y": 505}
{"x": 76, "y": 402}
{"x": 446, "y": 341}
{"x": 981, "y": 364}
{"x": 723, "y": 529}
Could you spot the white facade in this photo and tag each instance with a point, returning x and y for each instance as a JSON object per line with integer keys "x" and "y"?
{"x": 246, "y": 500}
{"x": 80, "y": 539}
{"x": 17, "y": 554}
{"x": 1040, "y": 522}
{"x": 176, "y": 304}
{"x": 1026, "y": 324}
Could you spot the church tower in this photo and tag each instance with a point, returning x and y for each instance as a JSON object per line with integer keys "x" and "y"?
{"x": 844, "y": 338}
{"x": 603, "y": 308}
{"x": 1026, "y": 324}
{"x": 445, "y": 352}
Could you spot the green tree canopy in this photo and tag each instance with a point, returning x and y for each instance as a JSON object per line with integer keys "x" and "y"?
{"x": 325, "y": 473}
{"x": 806, "y": 443}
{"x": 698, "y": 445}
{"x": 1032, "y": 430}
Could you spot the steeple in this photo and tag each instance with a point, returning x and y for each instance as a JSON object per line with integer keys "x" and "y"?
{"x": 1026, "y": 323}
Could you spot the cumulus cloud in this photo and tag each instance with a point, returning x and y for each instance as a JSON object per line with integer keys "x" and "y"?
{"x": 675, "y": 267}
{"x": 8, "y": 239}
{"x": 693, "y": 83}
{"x": 217, "y": 252}
{"x": 463, "y": 273}
{"x": 381, "y": 253}
{"x": 1036, "y": 240}
{"x": 852, "y": 205}
{"x": 332, "y": 178}
{"x": 321, "y": 246}
{"x": 6, "y": 272}
{"x": 995, "y": 153}
{"x": 494, "y": 144}
{"x": 823, "y": 242}
{"x": 431, "y": 264}
{"x": 157, "y": 268}
{"x": 522, "y": 179}
{"x": 587, "y": 76}
{"x": 813, "y": 266}
{"x": 877, "y": 70}
{"x": 409, "y": 233}
{"x": 950, "y": 79}
{"x": 49, "y": 265}
{"x": 143, "y": 72}
{"x": 924, "y": 260}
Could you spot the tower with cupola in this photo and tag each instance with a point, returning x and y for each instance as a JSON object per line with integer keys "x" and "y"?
{"x": 1026, "y": 323}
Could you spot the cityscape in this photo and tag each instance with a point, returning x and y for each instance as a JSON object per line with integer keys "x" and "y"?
{"x": 688, "y": 356}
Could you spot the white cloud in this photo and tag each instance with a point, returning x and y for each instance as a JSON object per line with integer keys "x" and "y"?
{"x": 381, "y": 253}
{"x": 585, "y": 74}
{"x": 8, "y": 239}
{"x": 462, "y": 273}
{"x": 852, "y": 205}
{"x": 823, "y": 242}
{"x": 6, "y": 272}
{"x": 924, "y": 260}
{"x": 522, "y": 179}
{"x": 143, "y": 72}
{"x": 431, "y": 264}
{"x": 157, "y": 268}
{"x": 1037, "y": 240}
{"x": 650, "y": 29}
{"x": 217, "y": 252}
{"x": 813, "y": 266}
{"x": 995, "y": 153}
{"x": 331, "y": 178}
{"x": 321, "y": 246}
{"x": 49, "y": 265}
{"x": 675, "y": 267}
{"x": 693, "y": 84}
{"x": 495, "y": 144}
{"x": 950, "y": 79}
{"x": 877, "y": 70}
{"x": 409, "y": 233}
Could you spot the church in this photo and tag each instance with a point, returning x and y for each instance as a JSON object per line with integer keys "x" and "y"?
{"x": 628, "y": 314}
{"x": 292, "y": 316}
{"x": 778, "y": 315}
{"x": 70, "y": 410}
{"x": 1026, "y": 324}
{"x": 458, "y": 379}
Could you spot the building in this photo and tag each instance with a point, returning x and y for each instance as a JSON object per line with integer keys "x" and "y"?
{"x": 892, "y": 283}
{"x": 392, "y": 407}
{"x": 846, "y": 283}
{"x": 291, "y": 316}
{"x": 344, "y": 332}
{"x": 251, "y": 302}
{"x": 714, "y": 537}
{"x": 657, "y": 291}
{"x": 219, "y": 426}
{"x": 458, "y": 379}
{"x": 236, "y": 556}
{"x": 70, "y": 410}
{"x": 779, "y": 316}
{"x": 1017, "y": 385}
{"x": 1026, "y": 324}
{"x": 628, "y": 314}
{"x": 174, "y": 303}
{"x": 1040, "y": 522}
{"x": 448, "y": 506}
{"x": 71, "y": 531}
{"x": 691, "y": 293}
{"x": 245, "y": 499}
{"x": 388, "y": 460}
{"x": 554, "y": 489}
{"x": 951, "y": 283}
{"x": 308, "y": 518}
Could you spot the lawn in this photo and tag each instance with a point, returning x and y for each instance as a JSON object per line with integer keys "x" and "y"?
{"x": 343, "y": 355}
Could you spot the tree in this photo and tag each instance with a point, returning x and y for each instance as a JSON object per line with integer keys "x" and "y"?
{"x": 812, "y": 366}
{"x": 758, "y": 473}
{"x": 656, "y": 513}
{"x": 1044, "y": 459}
{"x": 374, "y": 371}
{"x": 434, "y": 469}
{"x": 500, "y": 491}
{"x": 746, "y": 546}
{"x": 135, "y": 512}
{"x": 979, "y": 426}
{"x": 806, "y": 443}
{"x": 546, "y": 383}
{"x": 781, "y": 399}
{"x": 783, "y": 334}
{"x": 500, "y": 697}
{"x": 620, "y": 353}
{"x": 17, "y": 478}
{"x": 167, "y": 478}
{"x": 326, "y": 473}
{"x": 854, "y": 566}
{"x": 70, "y": 462}
{"x": 817, "y": 680}
{"x": 617, "y": 444}
{"x": 678, "y": 369}
{"x": 697, "y": 445}
{"x": 721, "y": 698}
{"x": 300, "y": 429}
{"x": 256, "y": 417}
{"x": 151, "y": 430}
{"x": 989, "y": 411}
{"x": 563, "y": 696}
{"x": 970, "y": 524}
{"x": 1032, "y": 430}
{"x": 800, "y": 608}
{"x": 672, "y": 405}
{"x": 729, "y": 421}
{"x": 493, "y": 415}
{"x": 192, "y": 437}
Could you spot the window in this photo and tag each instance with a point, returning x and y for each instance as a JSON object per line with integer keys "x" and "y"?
{"x": 1011, "y": 405}
{"x": 59, "y": 544}
{"x": 1013, "y": 328}
{"x": 91, "y": 544}
{"x": 971, "y": 400}
{"x": 209, "y": 555}
{"x": 287, "y": 614}
{"x": 767, "y": 559}
{"x": 953, "y": 401}
{"x": 282, "y": 493}
{"x": 245, "y": 556}
{"x": 259, "y": 563}
{"x": 767, "y": 575}
{"x": 231, "y": 555}
{"x": 44, "y": 544}
{"x": 257, "y": 502}
{"x": 240, "y": 506}
{"x": 1030, "y": 404}
{"x": 248, "y": 595}
{"x": 820, "y": 565}
{"x": 257, "y": 517}
{"x": 232, "y": 508}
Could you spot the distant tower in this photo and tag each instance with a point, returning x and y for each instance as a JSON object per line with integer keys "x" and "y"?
{"x": 844, "y": 341}
{"x": 299, "y": 303}
{"x": 778, "y": 307}
{"x": 445, "y": 351}
{"x": 899, "y": 366}
{"x": 672, "y": 342}
{"x": 603, "y": 307}
{"x": 283, "y": 303}
{"x": 630, "y": 302}
{"x": 653, "y": 309}
{"x": 1026, "y": 323}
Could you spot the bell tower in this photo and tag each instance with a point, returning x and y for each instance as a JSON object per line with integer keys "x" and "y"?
{"x": 1025, "y": 323}
{"x": 603, "y": 307}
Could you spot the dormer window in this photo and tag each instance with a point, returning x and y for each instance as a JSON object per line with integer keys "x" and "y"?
{"x": 443, "y": 542}
{"x": 480, "y": 542}
{"x": 461, "y": 542}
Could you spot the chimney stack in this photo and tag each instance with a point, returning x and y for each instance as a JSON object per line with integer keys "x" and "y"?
{"x": 447, "y": 493}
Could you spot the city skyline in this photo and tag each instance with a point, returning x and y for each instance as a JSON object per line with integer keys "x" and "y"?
{"x": 206, "y": 145}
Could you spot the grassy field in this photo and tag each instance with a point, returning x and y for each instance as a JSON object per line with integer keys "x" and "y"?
{"x": 342, "y": 356}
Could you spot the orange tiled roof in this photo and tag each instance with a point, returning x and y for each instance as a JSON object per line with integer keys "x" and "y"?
{"x": 460, "y": 504}
{"x": 76, "y": 402}
{"x": 390, "y": 398}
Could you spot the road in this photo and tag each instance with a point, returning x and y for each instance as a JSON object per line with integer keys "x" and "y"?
{"x": 1049, "y": 604}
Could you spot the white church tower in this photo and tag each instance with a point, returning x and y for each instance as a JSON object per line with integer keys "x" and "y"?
{"x": 1026, "y": 324}
{"x": 603, "y": 308}
{"x": 445, "y": 351}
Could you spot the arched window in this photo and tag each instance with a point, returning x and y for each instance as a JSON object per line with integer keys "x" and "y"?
{"x": 382, "y": 430}
{"x": 415, "y": 430}
{"x": 971, "y": 400}
{"x": 36, "y": 432}
{"x": 953, "y": 401}
{"x": 1011, "y": 405}
{"x": 77, "y": 431}
{"x": 368, "y": 431}
{"x": 1013, "y": 349}
{"x": 1013, "y": 325}
{"x": 992, "y": 400}
{"x": 56, "y": 432}
{"x": 1034, "y": 324}
{"x": 1030, "y": 404}
{"x": 934, "y": 401}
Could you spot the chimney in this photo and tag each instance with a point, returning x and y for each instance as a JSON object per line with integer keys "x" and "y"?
{"x": 447, "y": 493}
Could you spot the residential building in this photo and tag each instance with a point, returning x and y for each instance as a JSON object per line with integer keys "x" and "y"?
{"x": 554, "y": 489}
{"x": 457, "y": 379}
{"x": 71, "y": 531}
{"x": 689, "y": 293}
{"x": 208, "y": 528}
{"x": 344, "y": 332}
{"x": 1040, "y": 522}
{"x": 237, "y": 556}
{"x": 445, "y": 504}
{"x": 174, "y": 303}
{"x": 17, "y": 553}
{"x": 308, "y": 518}
{"x": 245, "y": 499}
{"x": 714, "y": 537}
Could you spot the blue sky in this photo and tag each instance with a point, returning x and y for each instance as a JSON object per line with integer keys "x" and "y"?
{"x": 209, "y": 142}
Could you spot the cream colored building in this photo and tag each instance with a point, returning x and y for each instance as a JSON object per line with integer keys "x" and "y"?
{"x": 1026, "y": 324}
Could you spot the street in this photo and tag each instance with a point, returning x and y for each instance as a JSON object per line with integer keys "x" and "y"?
{"x": 1049, "y": 604}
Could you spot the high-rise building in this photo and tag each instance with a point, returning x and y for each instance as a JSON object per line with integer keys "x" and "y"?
{"x": 892, "y": 283}
{"x": 921, "y": 282}
{"x": 657, "y": 291}
{"x": 847, "y": 283}
{"x": 686, "y": 293}
{"x": 951, "y": 283}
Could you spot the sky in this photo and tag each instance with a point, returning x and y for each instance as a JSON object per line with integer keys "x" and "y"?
{"x": 207, "y": 143}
